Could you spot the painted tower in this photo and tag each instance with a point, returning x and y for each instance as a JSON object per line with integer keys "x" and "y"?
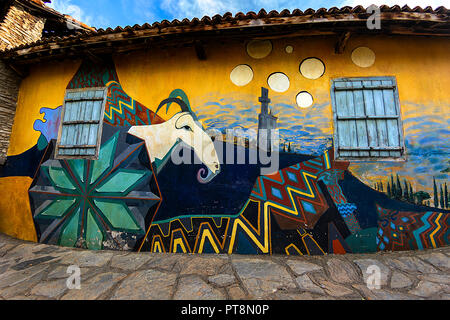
{"x": 266, "y": 121}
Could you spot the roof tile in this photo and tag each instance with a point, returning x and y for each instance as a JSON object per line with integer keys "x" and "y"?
{"x": 228, "y": 18}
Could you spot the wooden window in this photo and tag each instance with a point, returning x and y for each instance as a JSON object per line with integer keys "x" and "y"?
{"x": 80, "y": 130}
{"x": 367, "y": 119}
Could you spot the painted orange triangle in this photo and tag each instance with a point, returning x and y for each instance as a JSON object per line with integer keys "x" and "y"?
{"x": 337, "y": 247}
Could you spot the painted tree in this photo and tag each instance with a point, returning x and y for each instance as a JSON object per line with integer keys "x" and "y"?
{"x": 399, "y": 189}
{"x": 411, "y": 194}
{"x": 442, "y": 197}
{"x": 406, "y": 191}
{"x": 393, "y": 188}
{"x": 446, "y": 196}
{"x": 436, "y": 196}
{"x": 389, "y": 190}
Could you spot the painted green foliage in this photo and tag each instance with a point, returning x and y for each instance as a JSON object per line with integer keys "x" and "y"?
{"x": 91, "y": 196}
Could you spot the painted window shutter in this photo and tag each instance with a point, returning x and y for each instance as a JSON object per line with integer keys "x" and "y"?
{"x": 367, "y": 118}
{"x": 82, "y": 118}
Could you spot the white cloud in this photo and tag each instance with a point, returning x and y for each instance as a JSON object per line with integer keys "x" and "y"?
{"x": 181, "y": 9}
{"x": 66, "y": 7}
{"x": 411, "y": 3}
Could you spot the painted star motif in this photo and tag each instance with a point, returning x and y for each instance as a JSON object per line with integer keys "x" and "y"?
{"x": 94, "y": 203}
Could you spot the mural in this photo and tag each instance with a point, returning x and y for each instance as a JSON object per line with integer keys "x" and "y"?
{"x": 134, "y": 197}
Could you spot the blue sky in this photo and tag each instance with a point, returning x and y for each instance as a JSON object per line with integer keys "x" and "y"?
{"x": 112, "y": 13}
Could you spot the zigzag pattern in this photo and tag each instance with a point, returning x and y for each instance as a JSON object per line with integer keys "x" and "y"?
{"x": 346, "y": 209}
{"x": 122, "y": 110}
{"x": 198, "y": 233}
{"x": 298, "y": 198}
{"x": 293, "y": 192}
{"x": 331, "y": 178}
{"x": 91, "y": 75}
{"x": 412, "y": 230}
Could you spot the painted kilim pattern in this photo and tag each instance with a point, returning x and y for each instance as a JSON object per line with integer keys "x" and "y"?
{"x": 122, "y": 110}
{"x": 399, "y": 230}
{"x": 95, "y": 204}
{"x": 291, "y": 194}
{"x": 346, "y": 209}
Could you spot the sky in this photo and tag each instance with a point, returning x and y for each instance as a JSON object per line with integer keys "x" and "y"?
{"x": 112, "y": 13}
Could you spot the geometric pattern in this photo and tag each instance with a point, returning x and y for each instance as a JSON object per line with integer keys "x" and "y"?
{"x": 347, "y": 210}
{"x": 122, "y": 110}
{"x": 293, "y": 193}
{"x": 399, "y": 230}
{"x": 107, "y": 203}
{"x": 94, "y": 204}
{"x": 336, "y": 243}
{"x": 92, "y": 74}
{"x": 290, "y": 195}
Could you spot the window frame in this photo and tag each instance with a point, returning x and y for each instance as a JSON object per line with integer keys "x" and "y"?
{"x": 100, "y": 124}
{"x": 402, "y": 146}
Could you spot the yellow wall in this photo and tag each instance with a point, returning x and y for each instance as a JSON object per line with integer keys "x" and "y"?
{"x": 15, "y": 213}
{"x": 44, "y": 87}
{"x": 420, "y": 65}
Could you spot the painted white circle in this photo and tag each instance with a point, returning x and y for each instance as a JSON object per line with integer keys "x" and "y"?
{"x": 312, "y": 68}
{"x": 258, "y": 49}
{"x": 278, "y": 82}
{"x": 241, "y": 75}
{"x": 289, "y": 49}
{"x": 304, "y": 99}
{"x": 363, "y": 57}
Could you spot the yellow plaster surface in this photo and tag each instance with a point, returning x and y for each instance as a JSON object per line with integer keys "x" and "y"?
{"x": 44, "y": 87}
{"x": 15, "y": 214}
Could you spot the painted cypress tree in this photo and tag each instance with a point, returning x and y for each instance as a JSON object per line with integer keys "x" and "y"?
{"x": 442, "y": 197}
{"x": 399, "y": 189}
{"x": 406, "y": 191}
{"x": 381, "y": 186}
{"x": 393, "y": 188}
{"x": 389, "y": 191}
{"x": 445, "y": 195}
{"x": 436, "y": 196}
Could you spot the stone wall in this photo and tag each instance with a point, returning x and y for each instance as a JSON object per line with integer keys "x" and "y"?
{"x": 18, "y": 27}
{"x": 9, "y": 90}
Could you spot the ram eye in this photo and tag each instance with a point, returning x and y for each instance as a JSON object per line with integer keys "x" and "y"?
{"x": 187, "y": 128}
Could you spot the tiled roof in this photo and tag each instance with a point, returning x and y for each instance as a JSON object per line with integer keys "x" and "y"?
{"x": 407, "y": 18}
{"x": 228, "y": 17}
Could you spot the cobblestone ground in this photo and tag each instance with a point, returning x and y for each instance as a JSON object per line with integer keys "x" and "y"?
{"x": 37, "y": 271}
